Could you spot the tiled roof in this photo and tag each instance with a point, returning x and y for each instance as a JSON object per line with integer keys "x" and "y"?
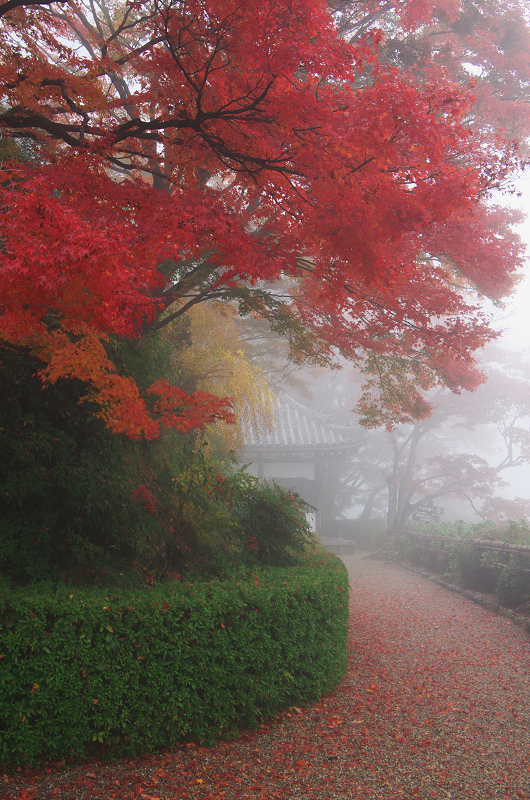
{"x": 297, "y": 427}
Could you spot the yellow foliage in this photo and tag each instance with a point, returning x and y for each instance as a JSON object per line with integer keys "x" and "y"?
{"x": 219, "y": 362}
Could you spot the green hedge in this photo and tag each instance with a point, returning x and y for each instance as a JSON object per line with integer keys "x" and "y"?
{"x": 86, "y": 670}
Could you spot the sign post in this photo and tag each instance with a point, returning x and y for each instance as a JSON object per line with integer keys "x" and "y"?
{"x": 427, "y": 513}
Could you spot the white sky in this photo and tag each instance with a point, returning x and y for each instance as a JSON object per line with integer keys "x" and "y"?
{"x": 515, "y": 320}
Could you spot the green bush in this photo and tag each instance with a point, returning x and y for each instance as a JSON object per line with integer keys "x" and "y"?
{"x": 272, "y": 523}
{"x": 443, "y": 562}
{"x": 66, "y": 484}
{"x": 513, "y": 587}
{"x": 87, "y": 670}
{"x": 467, "y": 564}
{"x": 220, "y": 518}
{"x": 431, "y": 558}
{"x": 513, "y": 531}
{"x": 477, "y": 574}
{"x": 83, "y": 505}
{"x": 415, "y": 553}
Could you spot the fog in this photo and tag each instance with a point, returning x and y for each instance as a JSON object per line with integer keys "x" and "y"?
{"x": 470, "y": 458}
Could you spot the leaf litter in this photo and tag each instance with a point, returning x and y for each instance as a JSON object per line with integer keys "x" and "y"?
{"x": 435, "y": 704}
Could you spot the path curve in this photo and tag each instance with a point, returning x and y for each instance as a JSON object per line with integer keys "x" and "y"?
{"x": 436, "y": 704}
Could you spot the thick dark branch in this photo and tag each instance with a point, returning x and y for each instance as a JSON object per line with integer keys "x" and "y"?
{"x": 19, "y": 118}
{"x": 11, "y": 4}
{"x": 195, "y": 276}
{"x": 198, "y": 298}
{"x": 61, "y": 83}
{"x": 138, "y": 51}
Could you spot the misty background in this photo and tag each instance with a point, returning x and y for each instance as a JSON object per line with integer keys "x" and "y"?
{"x": 470, "y": 461}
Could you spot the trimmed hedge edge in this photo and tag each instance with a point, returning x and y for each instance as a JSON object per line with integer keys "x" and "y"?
{"x": 115, "y": 672}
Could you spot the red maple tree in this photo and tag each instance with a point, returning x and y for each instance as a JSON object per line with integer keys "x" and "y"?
{"x": 185, "y": 152}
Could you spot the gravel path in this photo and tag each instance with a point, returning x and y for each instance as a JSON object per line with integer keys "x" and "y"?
{"x": 450, "y": 715}
{"x": 436, "y": 704}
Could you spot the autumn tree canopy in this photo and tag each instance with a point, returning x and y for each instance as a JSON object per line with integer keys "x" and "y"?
{"x": 274, "y": 155}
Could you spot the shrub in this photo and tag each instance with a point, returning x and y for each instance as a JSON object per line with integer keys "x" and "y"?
{"x": 128, "y": 671}
{"x": 66, "y": 505}
{"x": 219, "y": 519}
{"x": 459, "y": 528}
{"x": 87, "y": 506}
{"x": 415, "y": 553}
{"x": 513, "y": 587}
{"x": 431, "y": 558}
{"x": 273, "y": 523}
{"x": 443, "y": 562}
{"x": 513, "y": 531}
{"x": 476, "y": 574}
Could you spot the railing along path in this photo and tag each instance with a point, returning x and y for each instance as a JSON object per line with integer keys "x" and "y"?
{"x": 480, "y": 544}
